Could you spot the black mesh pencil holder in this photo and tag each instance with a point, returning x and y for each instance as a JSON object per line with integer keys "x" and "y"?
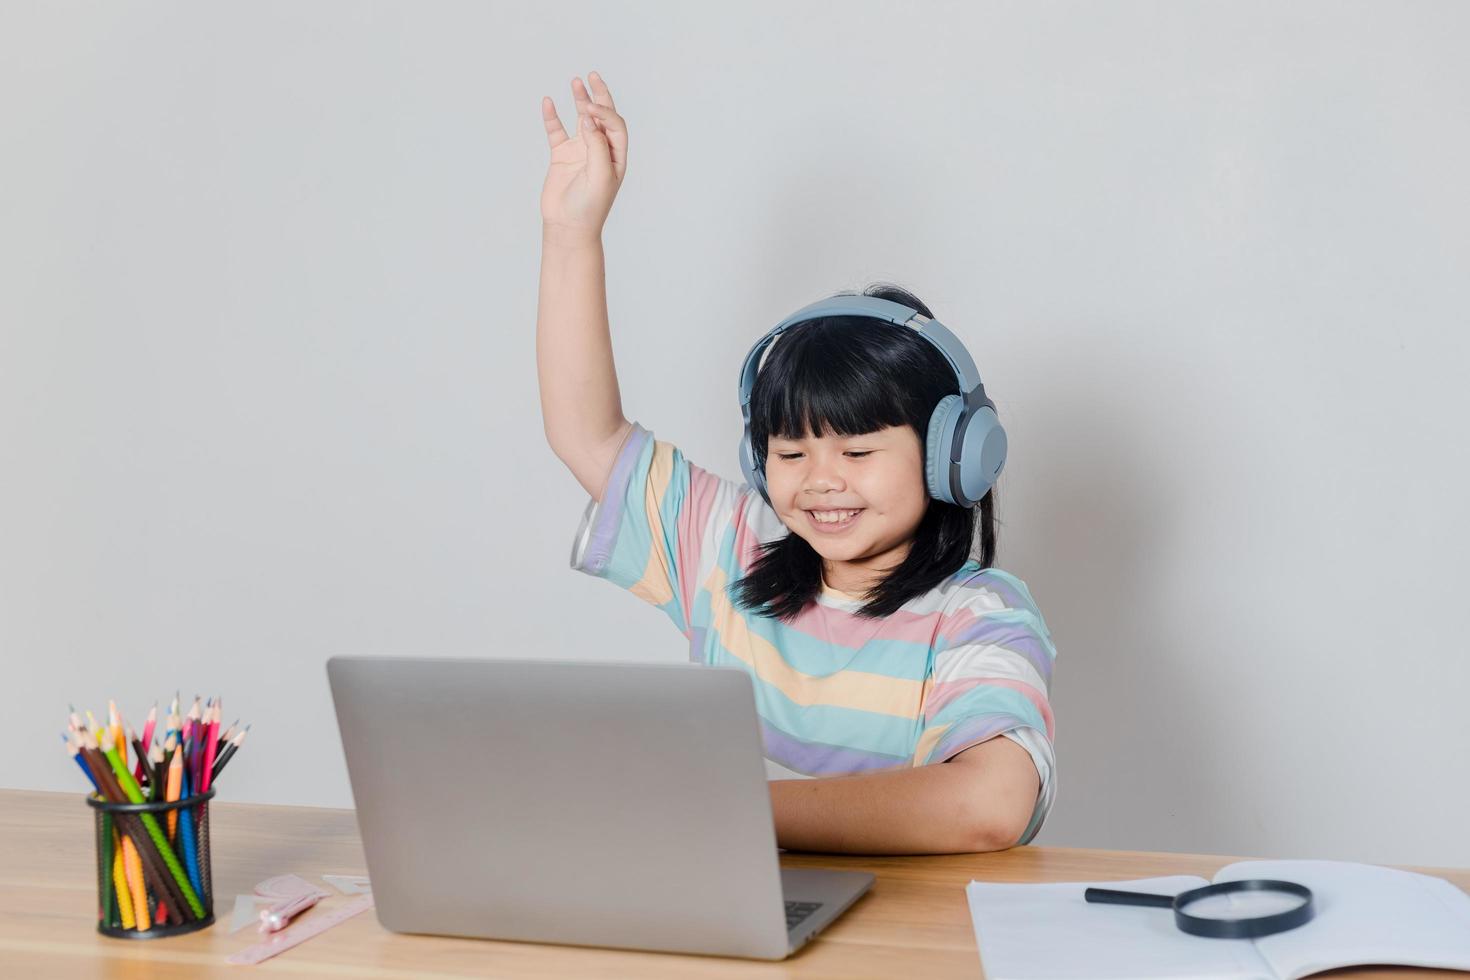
{"x": 153, "y": 867}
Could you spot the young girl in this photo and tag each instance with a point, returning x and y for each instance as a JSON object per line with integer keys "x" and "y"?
{"x": 877, "y": 645}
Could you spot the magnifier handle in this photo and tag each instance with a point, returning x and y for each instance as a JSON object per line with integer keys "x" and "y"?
{"x": 1113, "y": 897}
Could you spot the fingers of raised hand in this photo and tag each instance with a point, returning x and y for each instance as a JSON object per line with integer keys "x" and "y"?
{"x": 600, "y": 92}
{"x": 596, "y": 104}
{"x": 607, "y": 118}
{"x": 555, "y": 132}
{"x": 580, "y": 96}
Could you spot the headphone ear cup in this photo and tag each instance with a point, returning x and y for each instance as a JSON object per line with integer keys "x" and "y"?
{"x": 748, "y": 466}
{"x": 982, "y": 455}
{"x": 936, "y": 446}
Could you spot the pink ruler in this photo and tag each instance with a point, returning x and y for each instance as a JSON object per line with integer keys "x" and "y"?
{"x": 312, "y": 923}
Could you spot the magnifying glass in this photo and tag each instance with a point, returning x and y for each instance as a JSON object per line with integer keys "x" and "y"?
{"x": 1227, "y": 910}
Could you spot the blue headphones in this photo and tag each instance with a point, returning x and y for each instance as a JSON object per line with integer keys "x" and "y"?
{"x": 965, "y": 449}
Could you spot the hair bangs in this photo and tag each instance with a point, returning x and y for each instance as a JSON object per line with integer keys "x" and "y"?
{"x": 826, "y": 382}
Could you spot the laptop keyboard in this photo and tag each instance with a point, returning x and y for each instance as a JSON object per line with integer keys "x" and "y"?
{"x": 797, "y": 911}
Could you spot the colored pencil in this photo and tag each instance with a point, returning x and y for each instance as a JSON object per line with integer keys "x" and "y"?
{"x": 110, "y": 912}
{"x": 186, "y": 834}
{"x": 172, "y": 721}
{"x": 115, "y": 719}
{"x": 74, "y": 746}
{"x": 229, "y": 752}
{"x": 148, "y": 724}
{"x": 133, "y": 871}
{"x": 191, "y": 743}
{"x": 206, "y": 764}
{"x": 137, "y": 744}
{"x": 175, "y": 785}
{"x": 155, "y": 787}
{"x": 201, "y": 734}
{"x": 120, "y": 886}
{"x": 109, "y": 907}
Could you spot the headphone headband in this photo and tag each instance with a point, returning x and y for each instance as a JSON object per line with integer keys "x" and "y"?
{"x": 856, "y": 304}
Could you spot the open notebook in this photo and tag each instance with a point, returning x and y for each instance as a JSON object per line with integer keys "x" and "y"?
{"x": 1366, "y": 914}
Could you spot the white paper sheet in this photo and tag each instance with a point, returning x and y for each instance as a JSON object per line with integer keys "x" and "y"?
{"x": 1050, "y": 932}
{"x": 1365, "y": 913}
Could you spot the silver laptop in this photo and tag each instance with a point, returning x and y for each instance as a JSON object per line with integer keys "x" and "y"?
{"x": 596, "y": 804}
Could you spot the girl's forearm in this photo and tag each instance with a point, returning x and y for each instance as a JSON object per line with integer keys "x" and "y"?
{"x": 923, "y": 810}
{"x": 581, "y": 406}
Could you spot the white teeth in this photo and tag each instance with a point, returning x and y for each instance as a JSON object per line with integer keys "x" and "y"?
{"x": 832, "y": 517}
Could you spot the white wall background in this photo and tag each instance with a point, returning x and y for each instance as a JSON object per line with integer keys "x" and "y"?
{"x": 267, "y": 379}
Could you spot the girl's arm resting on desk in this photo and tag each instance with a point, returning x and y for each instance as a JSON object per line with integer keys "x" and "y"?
{"x": 980, "y": 800}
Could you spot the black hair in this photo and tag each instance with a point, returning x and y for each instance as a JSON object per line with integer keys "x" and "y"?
{"x": 851, "y": 375}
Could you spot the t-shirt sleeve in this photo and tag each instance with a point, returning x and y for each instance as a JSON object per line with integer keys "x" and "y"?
{"x": 659, "y": 527}
{"x": 992, "y": 676}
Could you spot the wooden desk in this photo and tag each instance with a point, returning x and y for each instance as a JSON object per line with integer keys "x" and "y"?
{"x": 913, "y": 923}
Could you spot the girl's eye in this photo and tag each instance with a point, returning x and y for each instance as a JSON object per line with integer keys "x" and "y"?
{"x": 854, "y": 453}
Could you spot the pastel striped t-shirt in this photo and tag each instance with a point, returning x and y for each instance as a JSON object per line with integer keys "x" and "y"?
{"x": 836, "y": 693}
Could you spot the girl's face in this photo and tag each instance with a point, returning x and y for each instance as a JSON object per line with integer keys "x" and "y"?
{"x": 880, "y": 475}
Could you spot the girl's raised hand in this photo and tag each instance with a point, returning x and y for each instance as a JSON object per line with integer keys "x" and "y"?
{"x": 586, "y": 169}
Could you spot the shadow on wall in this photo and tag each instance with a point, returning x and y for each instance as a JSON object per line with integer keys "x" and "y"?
{"x": 1101, "y": 532}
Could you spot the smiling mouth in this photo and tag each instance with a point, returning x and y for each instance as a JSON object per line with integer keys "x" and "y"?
{"x": 834, "y": 520}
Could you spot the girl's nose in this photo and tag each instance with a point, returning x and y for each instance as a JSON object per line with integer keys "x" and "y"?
{"x": 822, "y": 478}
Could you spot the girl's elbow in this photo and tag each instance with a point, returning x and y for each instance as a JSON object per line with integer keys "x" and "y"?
{"x": 992, "y": 837}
